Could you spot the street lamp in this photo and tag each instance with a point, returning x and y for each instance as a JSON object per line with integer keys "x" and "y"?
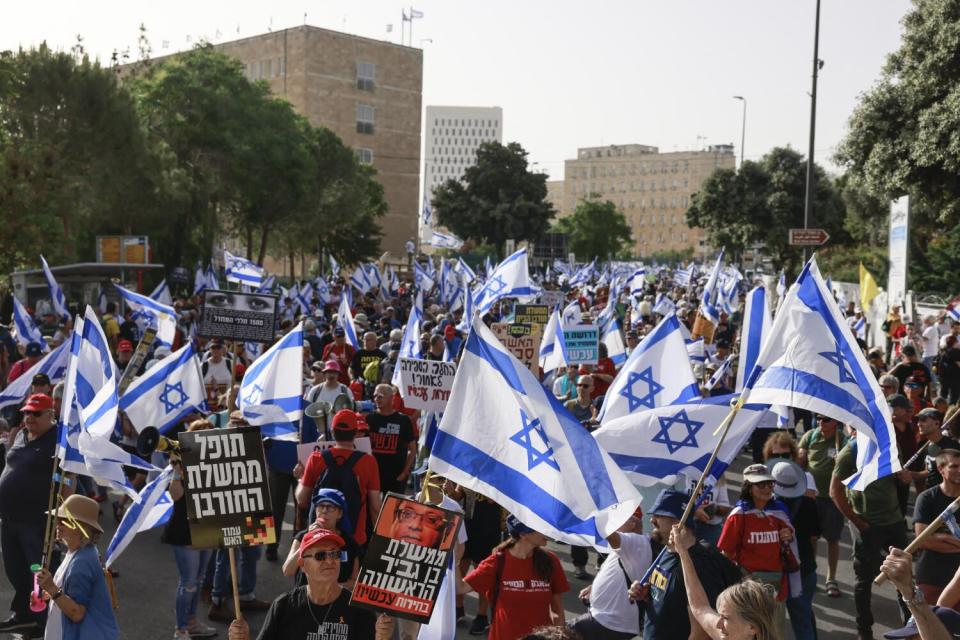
{"x": 743, "y": 128}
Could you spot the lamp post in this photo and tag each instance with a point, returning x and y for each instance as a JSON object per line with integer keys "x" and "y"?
{"x": 808, "y": 197}
{"x": 743, "y": 128}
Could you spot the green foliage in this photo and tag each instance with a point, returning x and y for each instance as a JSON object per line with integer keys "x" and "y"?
{"x": 940, "y": 265}
{"x": 761, "y": 202}
{"x": 596, "y": 229}
{"x": 843, "y": 263}
{"x": 671, "y": 257}
{"x": 498, "y": 198}
{"x": 905, "y": 134}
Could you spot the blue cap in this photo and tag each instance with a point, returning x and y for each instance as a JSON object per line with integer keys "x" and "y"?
{"x": 33, "y": 349}
{"x": 337, "y": 499}
{"x": 516, "y": 528}
{"x": 670, "y": 503}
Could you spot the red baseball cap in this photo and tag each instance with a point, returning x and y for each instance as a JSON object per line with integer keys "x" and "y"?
{"x": 316, "y": 536}
{"x": 124, "y": 346}
{"x": 345, "y": 420}
{"x": 38, "y": 402}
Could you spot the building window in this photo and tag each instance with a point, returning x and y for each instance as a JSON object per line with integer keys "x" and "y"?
{"x": 364, "y": 155}
{"x": 366, "y": 75}
{"x": 365, "y": 118}
{"x": 282, "y": 65}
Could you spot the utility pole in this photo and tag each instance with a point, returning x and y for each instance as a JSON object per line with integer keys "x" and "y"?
{"x": 808, "y": 199}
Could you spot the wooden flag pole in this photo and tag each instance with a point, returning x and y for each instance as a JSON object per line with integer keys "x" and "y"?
{"x": 932, "y": 528}
{"x": 232, "y": 555}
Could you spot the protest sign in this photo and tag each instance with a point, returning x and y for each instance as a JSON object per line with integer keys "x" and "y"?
{"x": 426, "y": 384}
{"x": 228, "y": 498}
{"x": 582, "y": 342}
{"x": 304, "y": 450}
{"x": 538, "y": 314}
{"x": 552, "y": 297}
{"x": 233, "y": 315}
{"x": 523, "y": 341}
{"x": 406, "y": 559}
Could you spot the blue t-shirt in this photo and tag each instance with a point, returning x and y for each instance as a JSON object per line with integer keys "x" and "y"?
{"x": 85, "y": 584}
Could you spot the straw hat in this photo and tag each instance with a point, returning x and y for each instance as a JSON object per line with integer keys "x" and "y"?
{"x": 82, "y": 509}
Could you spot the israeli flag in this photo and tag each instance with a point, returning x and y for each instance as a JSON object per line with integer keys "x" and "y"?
{"x": 334, "y": 266}
{"x": 322, "y": 290}
{"x": 268, "y": 284}
{"x": 410, "y": 344}
{"x": 722, "y": 371}
{"x": 954, "y": 313}
{"x": 162, "y": 293}
{"x": 860, "y": 328}
{"x": 730, "y": 291}
{"x": 271, "y": 393}
{"x": 160, "y": 316}
{"x": 637, "y": 281}
{"x": 427, "y": 212}
{"x": 212, "y": 282}
{"x": 199, "y": 279}
{"x": 709, "y": 304}
{"x": 756, "y": 326}
{"x": 656, "y": 446}
{"x": 166, "y": 393}
{"x": 511, "y": 279}
{"x": 571, "y": 313}
{"x": 303, "y": 297}
{"x": 810, "y": 361}
{"x": 360, "y": 279}
{"x": 506, "y": 437}
{"x": 54, "y": 364}
{"x": 553, "y": 348}
{"x": 657, "y": 373}
{"x": 683, "y": 277}
{"x": 345, "y": 322}
{"x": 445, "y": 241}
{"x": 781, "y": 285}
{"x": 27, "y": 330}
{"x": 466, "y": 321}
{"x": 242, "y": 271}
{"x": 664, "y": 305}
{"x": 421, "y": 278}
{"x": 610, "y": 333}
{"x": 464, "y": 269}
{"x": 153, "y": 509}
{"x": 56, "y": 293}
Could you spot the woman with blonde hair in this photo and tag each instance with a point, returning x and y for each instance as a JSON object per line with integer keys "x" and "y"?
{"x": 745, "y": 611}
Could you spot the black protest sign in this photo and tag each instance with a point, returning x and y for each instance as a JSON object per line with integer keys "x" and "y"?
{"x": 407, "y": 558}
{"x": 227, "y": 494}
{"x": 234, "y": 315}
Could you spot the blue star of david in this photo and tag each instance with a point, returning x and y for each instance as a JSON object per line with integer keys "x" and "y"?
{"x": 692, "y": 426}
{"x": 525, "y": 440}
{"x": 173, "y": 397}
{"x": 496, "y": 285}
{"x": 653, "y": 388}
{"x": 836, "y": 358}
{"x": 254, "y": 396}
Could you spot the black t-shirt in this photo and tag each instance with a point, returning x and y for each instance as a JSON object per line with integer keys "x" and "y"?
{"x": 917, "y": 370}
{"x": 934, "y": 567}
{"x": 806, "y": 522}
{"x": 930, "y": 459}
{"x": 316, "y": 347}
{"x": 293, "y": 617}
{"x": 346, "y": 567}
{"x": 666, "y": 607}
{"x": 177, "y": 529}
{"x": 25, "y": 483}
{"x": 389, "y": 440}
{"x": 363, "y": 358}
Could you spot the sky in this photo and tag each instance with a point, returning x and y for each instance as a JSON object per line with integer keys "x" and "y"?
{"x": 567, "y": 74}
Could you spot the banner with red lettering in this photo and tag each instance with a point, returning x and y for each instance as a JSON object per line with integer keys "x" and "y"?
{"x": 406, "y": 558}
{"x": 426, "y": 384}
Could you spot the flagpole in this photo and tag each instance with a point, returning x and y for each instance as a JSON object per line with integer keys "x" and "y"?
{"x": 932, "y": 528}
{"x": 56, "y": 482}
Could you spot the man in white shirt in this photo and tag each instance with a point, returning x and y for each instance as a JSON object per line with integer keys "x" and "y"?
{"x": 931, "y": 343}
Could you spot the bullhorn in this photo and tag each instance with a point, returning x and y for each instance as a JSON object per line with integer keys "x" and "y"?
{"x": 151, "y": 440}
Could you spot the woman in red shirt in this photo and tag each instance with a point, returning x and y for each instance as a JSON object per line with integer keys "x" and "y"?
{"x": 523, "y": 582}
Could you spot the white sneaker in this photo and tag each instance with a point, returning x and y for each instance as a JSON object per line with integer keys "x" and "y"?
{"x": 181, "y": 634}
{"x": 200, "y": 630}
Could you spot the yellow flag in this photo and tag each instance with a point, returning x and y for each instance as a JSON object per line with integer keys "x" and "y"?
{"x": 868, "y": 288}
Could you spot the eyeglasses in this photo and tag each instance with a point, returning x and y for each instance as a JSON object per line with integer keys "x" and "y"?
{"x": 322, "y": 556}
{"x": 785, "y": 455}
{"x": 585, "y": 386}
{"x": 326, "y": 507}
{"x": 433, "y": 520}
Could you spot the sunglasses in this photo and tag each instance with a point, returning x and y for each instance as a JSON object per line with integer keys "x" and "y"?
{"x": 321, "y": 556}
{"x": 585, "y": 386}
{"x": 35, "y": 414}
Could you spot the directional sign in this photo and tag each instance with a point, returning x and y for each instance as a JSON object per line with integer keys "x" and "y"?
{"x": 808, "y": 237}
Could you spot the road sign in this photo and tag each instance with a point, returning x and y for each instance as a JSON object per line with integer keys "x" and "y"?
{"x": 808, "y": 237}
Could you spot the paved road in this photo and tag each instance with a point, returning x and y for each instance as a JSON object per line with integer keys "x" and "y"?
{"x": 148, "y": 579}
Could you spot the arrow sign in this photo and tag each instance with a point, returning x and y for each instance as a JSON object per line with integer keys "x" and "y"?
{"x": 808, "y": 237}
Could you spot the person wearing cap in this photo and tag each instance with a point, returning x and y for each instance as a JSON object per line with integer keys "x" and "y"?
{"x": 330, "y": 507}
{"x": 911, "y": 366}
{"x": 926, "y": 622}
{"x": 818, "y": 451}
{"x": 124, "y": 355}
{"x": 81, "y": 607}
{"x": 40, "y": 384}
{"x": 758, "y": 534}
{"x": 31, "y": 356}
{"x": 215, "y": 368}
{"x": 24, "y": 496}
{"x": 340, "y": 351}
{"x": 345, "y": 456}
{"x": 524, "y": 582}
{"x": 928, "y": 424}
{"x": 664, "y": 596}
{"x": 111, "y": 326}
{"x": 611, "y": 614}
{"x": 790, "y": 486}
{"x": 319, "y": 609}
{"x": 939, "y": 559}
{"x": 392, "y": 441}
{"x": 326, "y": 383}
{"x": 878, "y": 524}
{"x": 901, "y": 414}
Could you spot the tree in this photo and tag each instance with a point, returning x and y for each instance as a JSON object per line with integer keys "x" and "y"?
{"x": 761, "y": 202}
{"x": 497, "y": 199}
{"x": 596, "y": 229}
{"x": 904, "y": 135}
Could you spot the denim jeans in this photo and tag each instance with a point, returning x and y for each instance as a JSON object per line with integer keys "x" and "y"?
{"x": 190, "y": 564}
{"x": 246, "y": 566}
{"x": 800, "y": 609}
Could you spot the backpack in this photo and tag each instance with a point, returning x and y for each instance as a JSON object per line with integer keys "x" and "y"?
{"x": 342, "y": 478}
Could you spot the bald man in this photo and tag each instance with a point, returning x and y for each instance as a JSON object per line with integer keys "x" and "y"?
{"x": 392, "y": 441}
